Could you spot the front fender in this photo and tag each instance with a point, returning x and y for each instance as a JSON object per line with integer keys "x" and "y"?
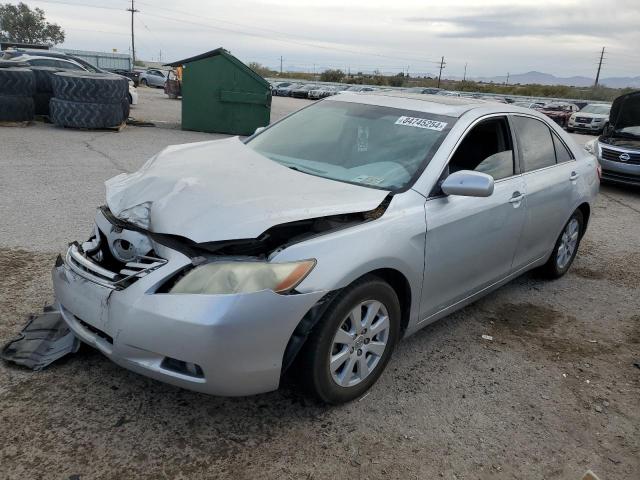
{"x": 394, "y": 241}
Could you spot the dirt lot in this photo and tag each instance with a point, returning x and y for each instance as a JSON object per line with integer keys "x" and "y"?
{"x": 555, "y": 393}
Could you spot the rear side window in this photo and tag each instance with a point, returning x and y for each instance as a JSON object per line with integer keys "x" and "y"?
{"x": 562, "y": 152}
{"x": 68, "y": 65}
{"x": 535, "y": 143}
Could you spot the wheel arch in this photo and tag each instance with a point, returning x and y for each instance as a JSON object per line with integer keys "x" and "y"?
{"x": 585, "y": 209}
{"x": 395, "y": 278}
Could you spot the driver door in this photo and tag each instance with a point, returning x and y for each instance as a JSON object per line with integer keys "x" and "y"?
{"x": 471, "y": 241}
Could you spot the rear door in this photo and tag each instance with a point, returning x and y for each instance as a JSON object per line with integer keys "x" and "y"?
{"x": 550, "y": 175}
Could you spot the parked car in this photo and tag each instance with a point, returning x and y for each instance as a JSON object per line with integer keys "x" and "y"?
{"x": 303, "y": 91}
{"x": 153, "y": 78}
{"x": 559, "y": 112}
{"x": 358, "y": 88}
{"x": 277, "y": 85}
{"x": 210, "y": 278}
{"x": 424, "y": 90}
{"x": 322, "y": 91}
{"x": 618, "y": 148}
{"x": 130, "y": 74}
{"x": 285, "y": 91}
{"x": 47, "y": 58}
{"x": 534, "y": 105}
{"x": 592, "y": 118}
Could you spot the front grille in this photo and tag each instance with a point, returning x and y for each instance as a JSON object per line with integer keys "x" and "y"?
{"x": 85, "y": 266}
{"x": 583, "y": 120}
{"x": 621, "y": 177}
{"x": 95, "y": 331}
{"x": 614, "y": 156}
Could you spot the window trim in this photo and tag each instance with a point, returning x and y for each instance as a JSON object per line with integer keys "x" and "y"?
{"x": 471, "y": 126}
{"x": 551, "y": 133}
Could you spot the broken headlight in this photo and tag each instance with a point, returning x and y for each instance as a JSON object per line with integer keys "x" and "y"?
{"x": 139, "y": 215}
{"x": 243, "y": 277}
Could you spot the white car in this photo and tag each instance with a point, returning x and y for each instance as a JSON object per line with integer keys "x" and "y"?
{"x": 67, "y": 62}
{"x": 592, "y": 118}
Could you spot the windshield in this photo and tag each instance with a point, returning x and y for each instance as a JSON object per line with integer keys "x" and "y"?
{"x": 369, "y": 145}
{"x": 598, "y": 109}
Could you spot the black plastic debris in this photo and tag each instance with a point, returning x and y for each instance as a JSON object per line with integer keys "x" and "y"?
{"x": 44, "y": 339}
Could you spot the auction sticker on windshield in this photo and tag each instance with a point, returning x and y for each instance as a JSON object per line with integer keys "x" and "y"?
{"x": 421, "y": 123}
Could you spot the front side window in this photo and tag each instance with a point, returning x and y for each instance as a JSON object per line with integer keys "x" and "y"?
{"x": 368, "y": 145}
{"x": 487, "y": 148}
{"x": 534, "y": 142}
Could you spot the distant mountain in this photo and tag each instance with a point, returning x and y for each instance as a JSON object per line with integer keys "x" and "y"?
{"x": 541, "y": 78}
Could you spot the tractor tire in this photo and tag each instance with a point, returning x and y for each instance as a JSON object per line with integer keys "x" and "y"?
{"x": 43, "y": 78}
{"x": 14, "y": 108}
{"x": 17, "y": 81}
{"x": 41, "y": 103}
{"x": 66, "y": 113}
{"x": 89, "y": 87}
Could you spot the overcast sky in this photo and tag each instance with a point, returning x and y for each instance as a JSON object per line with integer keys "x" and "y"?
{"x": 562, "y": 37}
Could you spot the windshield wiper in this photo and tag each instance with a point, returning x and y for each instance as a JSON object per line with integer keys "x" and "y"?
{"x": 304, "y": 169}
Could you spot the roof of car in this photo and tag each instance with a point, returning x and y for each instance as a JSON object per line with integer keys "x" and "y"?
{"x": 438, "y": 104}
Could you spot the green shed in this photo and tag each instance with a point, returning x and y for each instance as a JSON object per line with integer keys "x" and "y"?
{"x": 221, "y": 94}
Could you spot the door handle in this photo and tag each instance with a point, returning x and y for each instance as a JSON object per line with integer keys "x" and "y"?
{"x": 516, "y": 198}
{"x": 574, "y": 176}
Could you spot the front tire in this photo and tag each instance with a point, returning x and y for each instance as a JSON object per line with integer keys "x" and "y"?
{"x": 565, "y": 248}
{"x": 353, "y": 342}
{"x": 144, "y": 82}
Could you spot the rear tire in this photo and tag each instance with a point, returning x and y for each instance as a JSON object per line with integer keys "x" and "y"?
{"x": 343, "y": 358}
{"x": 565, "y": 248}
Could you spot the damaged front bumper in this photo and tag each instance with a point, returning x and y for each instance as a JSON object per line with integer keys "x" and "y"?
{"x": 216, "y": 344}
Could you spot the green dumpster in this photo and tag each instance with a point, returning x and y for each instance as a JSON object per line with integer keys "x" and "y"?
{"x": 221, "y": 94}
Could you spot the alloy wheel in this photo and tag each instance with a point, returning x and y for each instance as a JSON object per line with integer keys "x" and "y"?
{"x": 359, "y": 343}
{"x": 568, "y": 243}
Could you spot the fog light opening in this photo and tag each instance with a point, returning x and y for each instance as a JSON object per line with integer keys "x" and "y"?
{"x": 183, "y": 368}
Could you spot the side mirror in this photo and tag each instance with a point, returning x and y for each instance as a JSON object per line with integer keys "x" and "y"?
{"x": 468, "y": 183}
{"x": 258, "y": 130}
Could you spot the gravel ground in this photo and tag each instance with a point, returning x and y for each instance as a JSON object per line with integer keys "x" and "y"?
{"x": 554, "y": 394}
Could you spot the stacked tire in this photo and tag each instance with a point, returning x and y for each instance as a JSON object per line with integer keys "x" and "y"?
{"x": 17, "y": 87}
{"x": 89, "y": 100}
{"x": 44, "y": 88}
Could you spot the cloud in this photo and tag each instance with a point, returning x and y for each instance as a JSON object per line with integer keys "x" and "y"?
{"x": 588, "y": 19}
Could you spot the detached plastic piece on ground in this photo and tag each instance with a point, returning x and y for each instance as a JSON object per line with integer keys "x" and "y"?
{"x": 44, "y": 339}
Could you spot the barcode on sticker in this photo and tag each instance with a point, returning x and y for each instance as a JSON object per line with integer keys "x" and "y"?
{"x": 421, "y": 123}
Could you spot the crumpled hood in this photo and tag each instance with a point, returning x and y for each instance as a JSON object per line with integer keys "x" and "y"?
{"x": 223, "y": 190}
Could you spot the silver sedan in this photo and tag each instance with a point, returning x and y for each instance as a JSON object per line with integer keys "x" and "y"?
{"x": 315, "y": 245}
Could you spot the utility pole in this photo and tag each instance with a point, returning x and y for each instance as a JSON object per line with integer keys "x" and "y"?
{"x": 507, "y": 82}
{"x": 280, "y": 65}
{"x": 442, "y": 64}
{"x": 595, "y": 85}
{"x": 133, "y": 41}
{"x": 464, "y": 77}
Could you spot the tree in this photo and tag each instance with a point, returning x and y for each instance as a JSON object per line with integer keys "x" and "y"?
{"x": 397, "y": 80}
{"x": 261, "y": 70}
{"x": 331, "y": 76}
{"x": 18, "y": 23}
